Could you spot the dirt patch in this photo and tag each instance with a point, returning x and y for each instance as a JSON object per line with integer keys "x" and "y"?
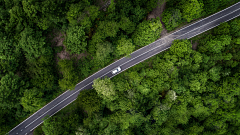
{"x": 194, "y": 45}
{"x": 18, "y": 74}
{"x": 102, "y": 4}
{"x": 57, "y": 39}
{"x": 156, "y": 12}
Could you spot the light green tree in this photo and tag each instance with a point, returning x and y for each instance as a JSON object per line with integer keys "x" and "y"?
{"x": 32, "y": 100}
{"x": 191, "y": 9}
{"x": 76, "y": 39}
{"x": 50, "y": 125}
{"x": 70, "y": 77}
{"x": 105, "y": 88}
{"x": 125, "y": 47}
{"x": 181, "y": 48}
{"x": 147, "y": 32}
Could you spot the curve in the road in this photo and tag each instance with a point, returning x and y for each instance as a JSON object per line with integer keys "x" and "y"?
{"x": 136, "y": 57}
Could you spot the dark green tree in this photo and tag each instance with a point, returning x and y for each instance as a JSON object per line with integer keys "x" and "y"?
{"x": 33, "y": 43}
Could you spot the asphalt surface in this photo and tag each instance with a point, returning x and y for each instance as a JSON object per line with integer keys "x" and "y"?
{"x": 136, "y": 57}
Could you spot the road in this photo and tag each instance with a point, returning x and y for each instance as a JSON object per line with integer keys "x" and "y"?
{"x": 136, "y": 57}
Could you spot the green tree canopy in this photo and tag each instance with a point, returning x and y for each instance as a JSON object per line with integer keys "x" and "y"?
{"x": 191, "y": 9}
{"x": 105, "y": 88}
{"x": 222, "y": 29}
{"x": 181, "y": 48}
{"x": 74, "y": 12}
{"x": 11, "y": 91}
{"x": 70, "y": 77}
{"x": 76, "y": 39}
{"x": 8, "y": 49}
{"x": 147, "y": 32}
{"x": 33, "y": 43}
{"x": 103, "y": 52}
{"x": 108, "y": 28}
{"x": 32, "y": 100}
{"x": 89, "y": 101}
{"x": 125, "y": 46}
{"x": 127, "y": 25}
{"x": 171, "y": 18}
{"x": 41, "y": 71}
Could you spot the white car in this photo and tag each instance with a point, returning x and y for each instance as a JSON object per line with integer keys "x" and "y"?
{"x": 116, "y": 70}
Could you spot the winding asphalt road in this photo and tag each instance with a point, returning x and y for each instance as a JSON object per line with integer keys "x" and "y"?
{"x": 136, "y": 57}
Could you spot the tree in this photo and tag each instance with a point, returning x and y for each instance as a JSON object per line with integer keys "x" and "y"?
{"x": 147, "y": 32}
{"x": 103, "y": 52}
{"x": 105, "y": 88}
{"x": 194, "y": 128}
{"x": 74, "y": 12}
{"x": 70, "y": 77}
{"x": 126, "y": 25}
{"x": 211, "y": 6}
{"x": 33, "y": 43}
{"x": 9, "y": 65}
{"x": 159, "y": 115}
{"x": 171, "y": 18}
{"x": 89, "y": 101}
{"x": 197, "y": 57}
{"x": 41, "y": 72}
{"x": 222, "y": 29}
{"x": 191, "y": 9}
{"x": 8, "y": 49}
{"x": 76, "y": 39}
{"x": 11, "y": 91}
{"x": 199, "y": 110}
{"x": 215, "y": 73}
{"x": 108, "y": 28}
{"x": 211, "y": 101}
{"x": 17, "y": 20}
{"x": 32, "y": 100}
{"x": 44, "y": 13}
{"x": 235, "y": 27}
{"x": 51, "y": 126}
{"x": 138, "y": 14}
{"x": 125, "y": 47}
{"x": 179, "y": 114}
{"x": 88, "y": 16}
{"x": 134, "y": 78}
{"x": 181, "y": 48}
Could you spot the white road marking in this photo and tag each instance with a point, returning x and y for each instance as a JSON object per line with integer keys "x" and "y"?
{"x": 38, "y": 111}
{"x": 124, "y": 57}
{"x": 160, "y": 39}
{"x": 124, "y": 64}
{"x": 54, "y": 113}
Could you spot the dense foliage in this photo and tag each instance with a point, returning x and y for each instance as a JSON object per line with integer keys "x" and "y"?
{"x": 31, "y": 74}
{"x": 180, "y": 11}
{"x": 179, "y": 91}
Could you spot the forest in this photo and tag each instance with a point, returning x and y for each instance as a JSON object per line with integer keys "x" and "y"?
{"x": 179, "y": 91}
